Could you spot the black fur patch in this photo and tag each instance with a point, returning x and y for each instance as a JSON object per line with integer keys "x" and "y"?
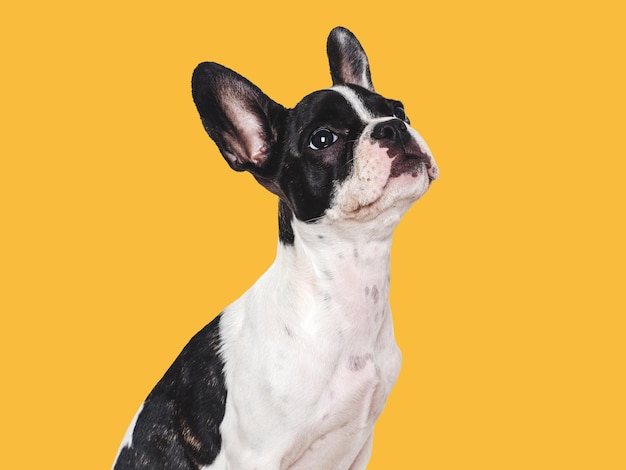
{"x": 178, "y": 427}
{"x": 307, "y": 177}
{"x": 285, "y": 229}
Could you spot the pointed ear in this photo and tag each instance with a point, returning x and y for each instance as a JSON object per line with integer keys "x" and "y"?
{"x": 347, "y": 59}
{"x": 237, "y": 115}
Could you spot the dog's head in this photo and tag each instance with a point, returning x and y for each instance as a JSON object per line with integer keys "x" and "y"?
{"x": 344, "y": 153}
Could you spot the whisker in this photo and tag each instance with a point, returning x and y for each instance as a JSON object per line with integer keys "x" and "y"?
{"x": 314, "y": 219}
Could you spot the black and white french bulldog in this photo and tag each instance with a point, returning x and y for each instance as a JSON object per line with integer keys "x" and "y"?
{"x": 294, "y": 374}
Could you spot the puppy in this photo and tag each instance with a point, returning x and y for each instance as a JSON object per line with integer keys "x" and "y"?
{"x": 294, "y": 374}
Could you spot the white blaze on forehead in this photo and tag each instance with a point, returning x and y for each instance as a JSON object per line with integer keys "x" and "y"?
{"x": 355, "y": 102}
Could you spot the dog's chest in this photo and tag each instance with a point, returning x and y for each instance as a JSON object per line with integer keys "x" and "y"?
{"x": 308, "y": 365}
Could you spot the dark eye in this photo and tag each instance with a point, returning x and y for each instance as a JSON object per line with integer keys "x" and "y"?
{"x": 322, "y": 138}
{"x": 399, "y": 113}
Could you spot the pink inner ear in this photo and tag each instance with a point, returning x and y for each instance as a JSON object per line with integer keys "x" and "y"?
{"x": 360, "y": 80}
{"x": 244, "y": 149}
{"x": 246, "y": 144}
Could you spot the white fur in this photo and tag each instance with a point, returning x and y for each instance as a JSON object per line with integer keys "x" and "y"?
{"x": 354, "y": 100}
{"x": 309, "y": 367}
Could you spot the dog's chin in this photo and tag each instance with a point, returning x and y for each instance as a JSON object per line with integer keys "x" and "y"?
{"x": 396, "y": 197}
{"x": 410, "y": 185}
{"x": 384, "y": 183}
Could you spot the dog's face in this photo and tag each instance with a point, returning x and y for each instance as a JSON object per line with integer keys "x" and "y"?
{"x": 344, "y": 153}
{"x": 351, "y": 155}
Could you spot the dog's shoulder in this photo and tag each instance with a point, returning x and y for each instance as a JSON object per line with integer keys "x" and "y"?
{"x": 179, "y": 421}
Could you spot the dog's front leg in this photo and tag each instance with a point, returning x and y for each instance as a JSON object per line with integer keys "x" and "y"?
{"x": 360, "y": 463}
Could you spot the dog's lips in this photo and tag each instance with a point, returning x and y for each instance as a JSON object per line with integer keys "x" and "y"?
{"x": 413, "y": 164}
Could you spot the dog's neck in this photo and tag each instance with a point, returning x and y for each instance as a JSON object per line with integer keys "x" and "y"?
{"x": 336, "y": 275}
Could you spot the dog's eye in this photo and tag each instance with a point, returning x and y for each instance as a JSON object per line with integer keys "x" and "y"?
{"x": 399, "y": 113}
{"x": 322, "y": 138}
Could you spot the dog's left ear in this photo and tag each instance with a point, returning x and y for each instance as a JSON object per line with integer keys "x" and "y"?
{"x": 347, "y": 59}
{"x": 241, "y": 119}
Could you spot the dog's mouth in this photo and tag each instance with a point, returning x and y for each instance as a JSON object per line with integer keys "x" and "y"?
{"x": 413, "y": 164}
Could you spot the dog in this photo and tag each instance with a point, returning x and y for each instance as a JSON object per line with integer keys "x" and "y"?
{"x": 294, "y": 374}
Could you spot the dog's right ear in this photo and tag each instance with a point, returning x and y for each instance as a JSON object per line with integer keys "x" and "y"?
{"x": 237, "y": 115}
{"x": 347, "y": 59}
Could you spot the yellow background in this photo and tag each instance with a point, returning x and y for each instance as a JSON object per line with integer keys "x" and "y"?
{"x": 123, "y": 230}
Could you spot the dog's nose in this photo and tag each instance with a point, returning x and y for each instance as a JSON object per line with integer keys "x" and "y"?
{"x": 393, "y": 130}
